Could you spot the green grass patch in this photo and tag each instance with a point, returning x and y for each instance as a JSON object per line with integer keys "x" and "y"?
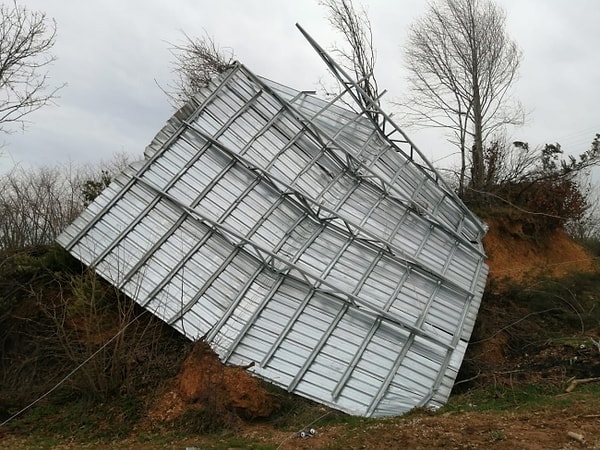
{"x": 79, "y": 419}
{"x": 533, "y": 397}
{"x": 496, "y": 436}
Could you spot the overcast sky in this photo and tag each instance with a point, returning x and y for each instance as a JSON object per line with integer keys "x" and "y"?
{"x": 114, "y": 55}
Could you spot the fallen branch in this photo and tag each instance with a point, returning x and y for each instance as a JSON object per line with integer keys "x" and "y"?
{"x": 577, "y": 436}
{"x": 574, "y": 383}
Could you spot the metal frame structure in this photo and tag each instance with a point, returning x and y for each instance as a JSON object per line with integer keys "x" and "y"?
{"x": 300, "y": 235}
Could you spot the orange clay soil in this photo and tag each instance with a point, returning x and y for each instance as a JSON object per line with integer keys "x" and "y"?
{"x": 513, "y": 254}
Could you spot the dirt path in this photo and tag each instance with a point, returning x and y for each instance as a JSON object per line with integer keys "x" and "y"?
{"x": 576, "y": 426}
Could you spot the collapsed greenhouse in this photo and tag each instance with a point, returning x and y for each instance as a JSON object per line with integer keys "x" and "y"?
{"x": 306, "y": 238}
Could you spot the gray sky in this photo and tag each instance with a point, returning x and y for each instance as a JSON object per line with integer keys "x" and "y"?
{"x": 114, "y": 54}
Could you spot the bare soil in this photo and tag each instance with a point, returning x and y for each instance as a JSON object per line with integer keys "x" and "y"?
{"x": 514, "y": 253}
{"x": 576, "y": 426}
{"x": 467, "y": 430}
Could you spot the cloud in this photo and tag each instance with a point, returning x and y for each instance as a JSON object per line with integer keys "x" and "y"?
{"x": 112, "y": 54}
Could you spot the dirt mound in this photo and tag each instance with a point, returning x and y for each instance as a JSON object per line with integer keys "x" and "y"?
{"x": 515, "y": 252}
{"x": 205, "y": 384}
{"x": 205, "y": 379}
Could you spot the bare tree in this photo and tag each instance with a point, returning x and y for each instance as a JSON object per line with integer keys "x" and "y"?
{"x": 196, "y": 62}
{"x": 26, "y": 38}
{"x": 461, "y": 64}
{"x": 37, "y": 204}
{"x": 357, "y": 55}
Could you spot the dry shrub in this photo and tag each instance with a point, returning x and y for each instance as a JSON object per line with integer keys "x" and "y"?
{"x": 549, "y": 204}
{"x": 56, "y": 319}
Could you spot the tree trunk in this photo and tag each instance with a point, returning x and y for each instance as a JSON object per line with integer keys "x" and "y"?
{"x": 478, "y": 168}
{"x": 463, "y": 166}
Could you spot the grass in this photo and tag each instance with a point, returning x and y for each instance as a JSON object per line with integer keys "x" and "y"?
{"x": 533, "y": 397}
{"x": 80, "y": 419}
{"x": 496, "y": 436}
{"x": 46, "y": 427}
{"x": 578, "y": 342}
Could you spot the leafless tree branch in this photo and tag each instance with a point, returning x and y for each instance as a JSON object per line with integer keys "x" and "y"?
{"x": 26, "y": 39}
{"x": 196, "y": 62}
{"x": 461, "y": 66}
{"x": 357, "y": 55}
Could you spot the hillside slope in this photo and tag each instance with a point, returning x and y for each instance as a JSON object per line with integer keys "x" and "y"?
{"x": 514, "y": 252}
{"x": 535, "y": 333}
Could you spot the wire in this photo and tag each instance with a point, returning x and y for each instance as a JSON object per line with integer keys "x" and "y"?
{"x": 305, "y": 426}
{"x": 515, "y": 206}
{"x": 70, "y": 374}
{"x": 579, "y": 134}
{"x": 513, "y": 324}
